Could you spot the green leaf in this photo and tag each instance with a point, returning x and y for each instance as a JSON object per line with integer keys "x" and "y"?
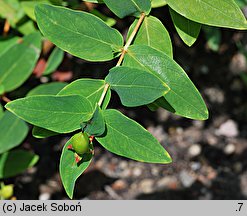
{"x": 161, "y": 102}
{"x": 15, "y": 162}
{"x": 7, "y": 43}
{"x": 1, "y": 111}
{"x": 17, "y": 64}
{"x": 127, "y": 138}
{"x": 27, "y": 28}
{"x": 158, "y": 3}
{"x": 47, "y": 89}
{"x": 91, "y": 89}
{"x": 70, "y": 170}
{"x": 188, "y": 30}
{"x": 61, "y": 114}
{"x": 223, "y": 13}
{"x": 154, "y": 34}
{"x": 79, "y": 33}
{"x": 129, "y": 7}
{"x": 136, "y": 87}
{"x": 41, "y": 133}
{"x": 11, "y": 10}
{"x": 12, "y": 131}
{"x": 183, "y": 96}
{"x": 55, "y": 59}
{"x": 28, "y": 7}
{"x": 96, "y": 125}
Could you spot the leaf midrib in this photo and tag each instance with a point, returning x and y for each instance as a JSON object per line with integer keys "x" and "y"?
{"x": 136, "y": 5}
{"x": 54, "y": 112}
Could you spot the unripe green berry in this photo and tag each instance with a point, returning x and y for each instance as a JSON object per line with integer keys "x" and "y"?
{"x": 80, "y": 143}
{"x": 7, "y": 191}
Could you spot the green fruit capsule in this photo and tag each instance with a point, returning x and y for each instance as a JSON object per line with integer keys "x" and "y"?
{"x": 7, "y": 191}
{"x": 80, "y": 143}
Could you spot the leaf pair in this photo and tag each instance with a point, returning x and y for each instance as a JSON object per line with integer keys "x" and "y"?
{"x": 63, "y": 113}
{"x": 147, "y": 75}
{"x": 188, "y": 16}
{"x": 224, "y": 13}
{"x": 183, "y": 98}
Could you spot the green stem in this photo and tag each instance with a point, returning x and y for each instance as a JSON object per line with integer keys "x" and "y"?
{"x": 124, "y": 50}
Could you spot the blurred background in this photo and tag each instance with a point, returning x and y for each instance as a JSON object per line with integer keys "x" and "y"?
{"x": 209, "y": 157}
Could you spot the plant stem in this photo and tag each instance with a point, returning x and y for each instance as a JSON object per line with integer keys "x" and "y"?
{"x": 6, "y": 28}
{"x": 5, "y": 99}
{"x": 124, "y": 50}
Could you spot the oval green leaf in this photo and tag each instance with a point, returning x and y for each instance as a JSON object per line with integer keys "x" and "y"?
{"x": 188, "y": 30}
{"x": 79, "y": 33}
{"x": 127, "y": 138}
{"x": 223, "y": 13}
{"x": 70, "y": 170}
{"x": 15, "y": 162}
{"x": 61, "y": 114}
{"x": 129, "y": 7}
{"x": 18, "y": 62}
{"x": 12, "y": 131}
{"x": 136, "y": 87}
{"x": 154, "y": 34}
{"x": 183, "y": 96}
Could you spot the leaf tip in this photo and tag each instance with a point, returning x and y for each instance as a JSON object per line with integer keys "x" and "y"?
{"x": 8, "y": 106}
{"x": 70, "y": 195}
{"x": 168, "y": 158}
{"x": 39, "y": 8}
{"x": 205, "y": 115}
